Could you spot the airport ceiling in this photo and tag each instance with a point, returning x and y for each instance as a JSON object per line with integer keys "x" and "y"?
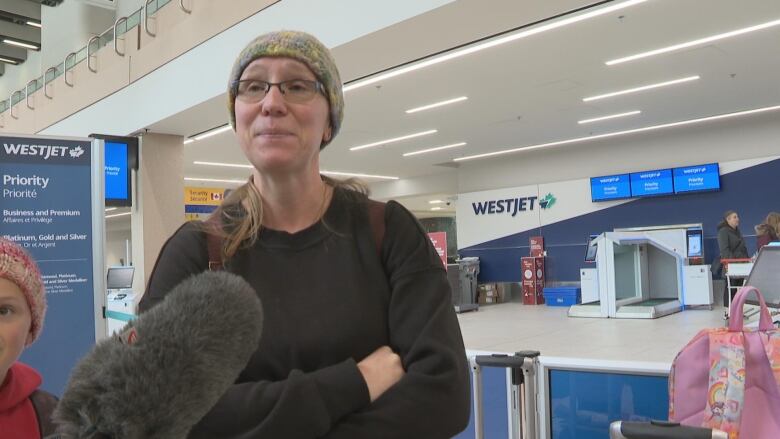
{"x": 20, "y": 29}
{"x": 528, "y": 91}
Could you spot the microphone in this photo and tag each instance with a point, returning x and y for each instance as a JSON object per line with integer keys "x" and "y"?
{"x": 168, "y": 368}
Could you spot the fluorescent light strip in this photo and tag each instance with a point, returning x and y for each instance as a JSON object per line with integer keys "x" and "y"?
{"x": 698, "y": 42}
{"x": 436, "y": 202}
{"x": 20, "y": 44}
{"x": 227, "y": 165}
{"x": 109, "y": 209}
{"x": 188, "y": 141}
{"x": 213, "y": 132}
{"x": 620, "y": 133}
{"x": 351, "y": 174}
{"x": 214, "y": 180}
{"x": 34, "y": 24}
{"x": 437, "y": 208}
{"x": 642, "y": 88}
{"x": 8, "y": 60}
{"x": 395, "y": 139}
{"x": 496, "y": 42}
{"x": 119, "y": 214}
{"x": 438, "y": 148}
{"x": 613, "y": 116}
{"x": 437, "y": 104}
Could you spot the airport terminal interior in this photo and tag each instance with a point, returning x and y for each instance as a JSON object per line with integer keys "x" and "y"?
{"x": 576, "y": 164}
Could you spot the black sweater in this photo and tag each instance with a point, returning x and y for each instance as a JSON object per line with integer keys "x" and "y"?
{"x": 330, "y": 300}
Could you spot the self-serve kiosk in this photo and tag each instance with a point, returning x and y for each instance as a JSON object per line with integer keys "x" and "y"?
{"x": 121, "y": 301}
{"x": 644, "y": 273}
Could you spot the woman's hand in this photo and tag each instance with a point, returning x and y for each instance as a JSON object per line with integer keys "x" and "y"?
{"x": 381, "y": 370}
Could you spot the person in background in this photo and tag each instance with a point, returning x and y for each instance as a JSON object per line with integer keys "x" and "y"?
{"x": 25, "y": 411}
{"x": 768, "y": 231}
{"x": 731, "y": 244}
{"x": 360, "y": 338}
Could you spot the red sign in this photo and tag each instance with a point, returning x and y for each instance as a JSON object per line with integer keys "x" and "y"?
{"x": 537, "y": 246}
{"x": 439, "y": 240}
{"x": 533, "y": 280}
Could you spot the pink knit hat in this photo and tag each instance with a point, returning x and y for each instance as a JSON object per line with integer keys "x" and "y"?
{"x": 19, "y": 267}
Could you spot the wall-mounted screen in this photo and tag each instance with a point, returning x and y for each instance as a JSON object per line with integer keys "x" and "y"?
{"x": 697, "y": 178}
{"x": 651, "y": 183}
{"x": 695, "y": 242}
{"x": 120, "y": 278}
{"x": 117, "y": 174}
{"x": 610, "y": 187}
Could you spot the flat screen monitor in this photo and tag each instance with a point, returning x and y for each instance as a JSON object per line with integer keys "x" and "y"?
{"x": 651, "y": 183}
{"x": 695, "y": 243}
{"x": 766, "y": 277}
{"x": 610, "y": 187}
{"x": 120, "y": 278}
{"x": 592, "y": 249}
{"x": 699, "y": 178}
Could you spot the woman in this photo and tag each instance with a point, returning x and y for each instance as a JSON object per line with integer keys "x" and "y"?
{"x": 731, "y": 243}
{"x": 768, "y": 231}
{"x": 359, "y": 341}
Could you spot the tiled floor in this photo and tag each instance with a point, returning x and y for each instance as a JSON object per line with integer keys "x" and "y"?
{"x": 510, "y": 327}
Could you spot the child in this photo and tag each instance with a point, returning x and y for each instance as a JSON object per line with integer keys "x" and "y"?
{"x": 25, "y": 411}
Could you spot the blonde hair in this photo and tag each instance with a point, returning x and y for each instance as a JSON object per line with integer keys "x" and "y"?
{"x": 773, "y": 221}
{"x": 239, "y": 219}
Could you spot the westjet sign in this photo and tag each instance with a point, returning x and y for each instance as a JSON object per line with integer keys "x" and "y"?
{"x": 508, "y": 206}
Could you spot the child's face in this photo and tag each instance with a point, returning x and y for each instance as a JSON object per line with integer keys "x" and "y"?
{"x": 15, "y": 321}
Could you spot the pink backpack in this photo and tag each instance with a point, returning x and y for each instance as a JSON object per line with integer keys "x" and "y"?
{"x": 729, "y": 378}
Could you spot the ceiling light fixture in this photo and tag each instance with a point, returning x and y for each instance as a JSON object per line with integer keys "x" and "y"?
{"x": 642, "y": 88}
{"x": 352, "y": 174}
{"x": 436, "y": 202}
{"x": 612, "y": 116}
{"x": 34, "y": 24}
{"x": 438, "y": 148}
{"x": 437, "y": 208}
{"x": 492, "y": 43}
{"x": 188, "y": 141}
{"x": 437, "y": 104}
{"x": 620, "y": 133}
{"x": 693, "y": 43}
{"x": 20, "y": 44}
{"x": 213, "y": 132}
{"x": 393, "y": 140}
{"x": 109, "y": 209}
{"x": 214, "y": 180}
{"x": 119, "y": 214}
{"x": 8, "y": 60}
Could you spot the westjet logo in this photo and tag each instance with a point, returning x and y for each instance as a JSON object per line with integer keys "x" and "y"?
{"x": 509, "y": 206}
{"x": 44, "y": 151}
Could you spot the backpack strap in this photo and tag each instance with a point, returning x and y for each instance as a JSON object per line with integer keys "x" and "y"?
{"x": 44, "y": 404}
{"x": 376, "y": 217}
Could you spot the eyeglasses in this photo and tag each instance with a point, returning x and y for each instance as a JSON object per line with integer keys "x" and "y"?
{"x": 295, "y": 90}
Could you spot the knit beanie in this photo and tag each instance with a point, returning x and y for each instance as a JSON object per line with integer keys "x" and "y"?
{"x": 302, "y": 47}
{"x": 17, "y": 266}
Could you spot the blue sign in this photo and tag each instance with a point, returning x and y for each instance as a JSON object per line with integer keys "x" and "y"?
{"x": 650, "y": 183}
{"x": 583, "y": 404}
{"x": 697, "y": 178}
{"x": 610, "y": 187}
{"x": 117, "y": 174}
{"x": 45, "y": 194}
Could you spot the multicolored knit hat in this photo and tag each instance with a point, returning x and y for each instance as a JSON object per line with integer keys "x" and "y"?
{"x": 302, "y": 47}
{"x": 19, "y": 267}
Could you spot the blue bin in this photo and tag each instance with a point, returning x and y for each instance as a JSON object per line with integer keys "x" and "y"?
{"x": 561, "y": 296}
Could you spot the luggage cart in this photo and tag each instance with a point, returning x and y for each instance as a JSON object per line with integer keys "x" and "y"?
{"x": 735, "y": 269}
